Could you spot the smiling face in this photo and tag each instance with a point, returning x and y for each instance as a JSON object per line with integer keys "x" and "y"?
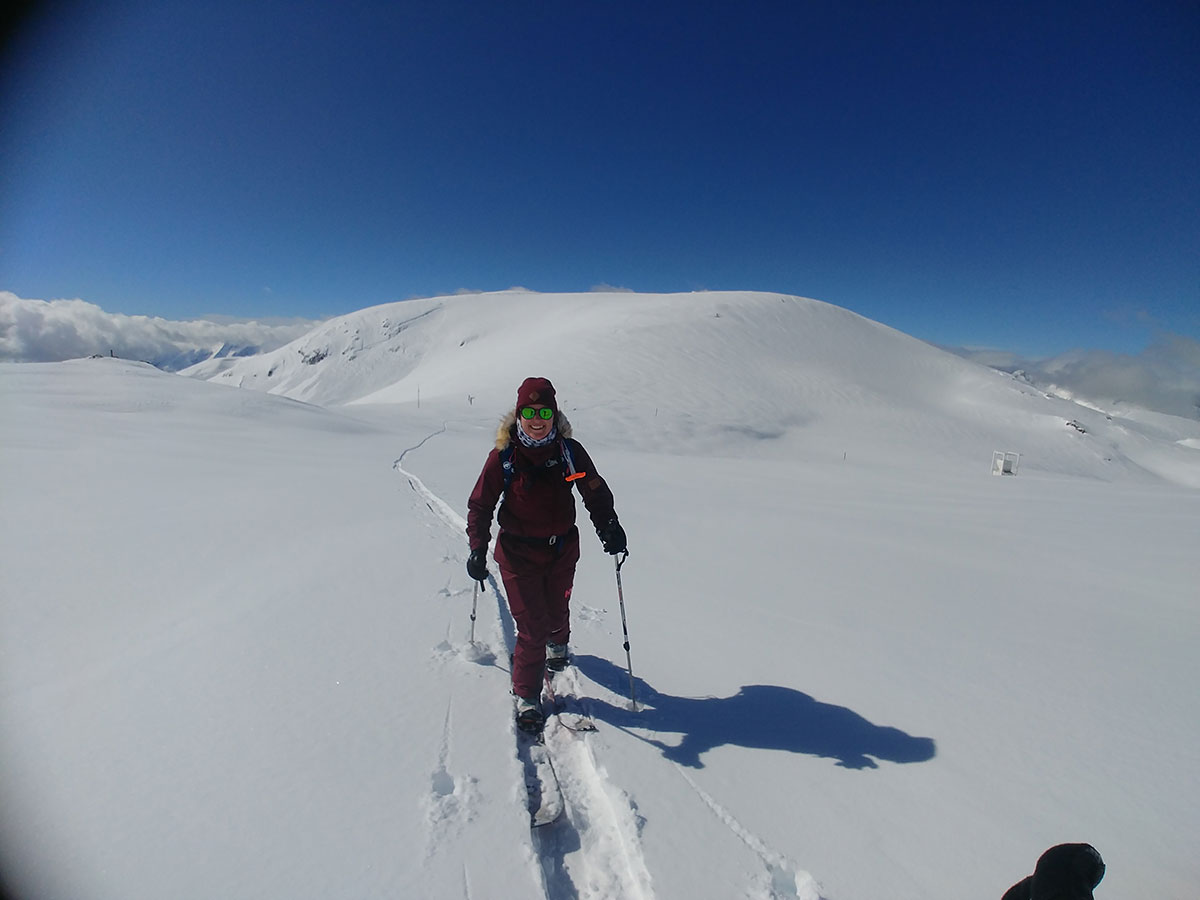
{"x": 535, "y": 427}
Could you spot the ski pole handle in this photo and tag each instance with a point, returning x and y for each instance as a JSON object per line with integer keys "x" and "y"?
{"x": 474, "y": 603}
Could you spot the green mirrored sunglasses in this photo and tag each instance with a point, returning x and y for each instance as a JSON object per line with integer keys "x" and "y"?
{"x": 528, "y": 412}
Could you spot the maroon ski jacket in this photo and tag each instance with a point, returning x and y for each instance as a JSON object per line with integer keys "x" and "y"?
{"x": 538, "y": 502}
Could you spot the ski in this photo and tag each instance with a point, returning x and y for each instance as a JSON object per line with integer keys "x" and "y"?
{"x": 545, "y": 800}
{"x": 543, "y": 791}
{"x": 567, "y": 709}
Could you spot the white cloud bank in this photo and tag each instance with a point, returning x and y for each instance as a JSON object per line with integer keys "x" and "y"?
{"x": 1164, "y": 377}
{"x": 53, "y": 330}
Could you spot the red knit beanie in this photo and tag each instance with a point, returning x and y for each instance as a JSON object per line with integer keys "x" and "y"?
{"x": 536, "y": 390}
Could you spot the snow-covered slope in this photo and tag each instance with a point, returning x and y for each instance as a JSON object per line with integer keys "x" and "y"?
{"x": 714, "y": 373}
{"x": 233, "y": 626}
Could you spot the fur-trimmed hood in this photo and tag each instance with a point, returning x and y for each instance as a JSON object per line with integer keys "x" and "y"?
{"x": 504, "y": 433}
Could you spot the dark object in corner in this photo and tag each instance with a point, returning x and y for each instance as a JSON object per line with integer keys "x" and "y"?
{"x": 1064, "y": 872}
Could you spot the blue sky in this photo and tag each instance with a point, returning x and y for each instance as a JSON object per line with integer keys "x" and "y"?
{"x": 1014, "y": 175}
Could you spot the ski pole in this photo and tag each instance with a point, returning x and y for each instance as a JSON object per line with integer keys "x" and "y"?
{"x": 625, "y": 627}
{"x": 474, "y": 603}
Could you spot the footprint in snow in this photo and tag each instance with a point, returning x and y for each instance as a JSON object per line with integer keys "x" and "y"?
{"x": 449, "y": 806}
{"x": 450, "y": 803}
{"x": 478, "y": 653}
{"x": 590, "y": 615}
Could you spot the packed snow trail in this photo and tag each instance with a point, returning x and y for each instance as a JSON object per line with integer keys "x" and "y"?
{"x": 594, "y": 850}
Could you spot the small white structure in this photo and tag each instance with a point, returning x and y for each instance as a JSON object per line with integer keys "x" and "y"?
{"x": 1005, "y": 462}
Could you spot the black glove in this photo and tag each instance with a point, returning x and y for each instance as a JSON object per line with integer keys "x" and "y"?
{"x": 612, "y": 536}
{"x": 477, "y": 564}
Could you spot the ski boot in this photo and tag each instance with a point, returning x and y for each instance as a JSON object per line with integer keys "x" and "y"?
{"x": 556, "y": 656}
{"x": 530, "y": 718}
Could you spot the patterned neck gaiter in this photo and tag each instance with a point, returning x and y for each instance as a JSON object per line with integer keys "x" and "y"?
{"x": 527, "y": 441}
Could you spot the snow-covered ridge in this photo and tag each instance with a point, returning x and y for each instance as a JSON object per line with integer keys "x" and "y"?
{"x": 730, "y": 373}
{"x": 447, "y": 344}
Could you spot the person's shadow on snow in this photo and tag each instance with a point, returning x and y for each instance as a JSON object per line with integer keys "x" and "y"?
{"x": 758, "y": 716}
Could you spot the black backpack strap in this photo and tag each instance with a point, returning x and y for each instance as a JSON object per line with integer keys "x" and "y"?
{"x": 506, "y": 466}
{"x": 571, "y": 475}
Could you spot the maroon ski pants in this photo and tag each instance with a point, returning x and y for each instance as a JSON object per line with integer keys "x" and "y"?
{"x": 537, "y": 579}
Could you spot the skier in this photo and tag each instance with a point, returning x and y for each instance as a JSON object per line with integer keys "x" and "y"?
{"x": 534, "y": 464}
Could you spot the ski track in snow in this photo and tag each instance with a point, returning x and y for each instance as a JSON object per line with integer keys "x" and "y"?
{"x": 782, "y": 880}
{"x": 449, "y": 807}
{"x": 594, "y": 850}
{"x": 601, "y": 819}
